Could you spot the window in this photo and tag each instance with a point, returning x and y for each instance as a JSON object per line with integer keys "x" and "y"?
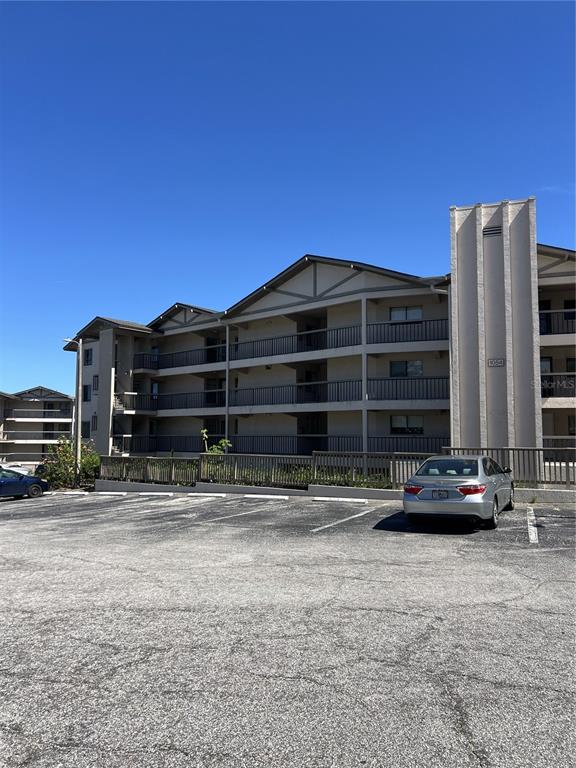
{"x": 570, "y": 304}
{"x": 406, "y": 425}
{"x": 88, "y": 356}
{"x": 572, "y": 423}
{"x": 85, "y": 430}
{"x": 406, "y": 368}
{"x": 571, "y": 365}
{"x": 545, "y": 365}
{"x": 94, "y": 424}
{"x": 404, "y": 314}
{"x": 95, "y": 383}
{"x": 86, "y": 393}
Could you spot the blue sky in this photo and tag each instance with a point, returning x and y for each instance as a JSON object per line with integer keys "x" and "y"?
{"x": 162, "y": 152}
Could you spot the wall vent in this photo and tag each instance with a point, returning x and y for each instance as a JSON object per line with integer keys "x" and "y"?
{"x": 492, "y": 231}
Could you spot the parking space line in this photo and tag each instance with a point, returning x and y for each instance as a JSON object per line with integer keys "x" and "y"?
{"x": 338, "y": 522}
{"x": 532, "y": 529}
{"x": 264, "y": 496}
{"x": 154, "y": 493}
{"x": 236, "y": 514}
{"x": 111, "y": 493}
{"x": 340, "y": 498}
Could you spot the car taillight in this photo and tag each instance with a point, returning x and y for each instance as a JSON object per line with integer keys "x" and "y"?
{"x": 471, "y": 490}
{"x": 412, "y": 489}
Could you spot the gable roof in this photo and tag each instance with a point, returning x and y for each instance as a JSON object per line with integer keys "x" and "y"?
{"x": 175, "y": 308}
{"x": 553, "y": 250}
{"x": 41, "y": 392}
{"x": 98, "y": 323}
{"x": 306, "y": 260}
{"x": 5, "y": 394}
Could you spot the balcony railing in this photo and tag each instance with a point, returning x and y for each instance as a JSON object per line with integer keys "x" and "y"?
{"x": 558, "y": 385}
{"x": 196, "y": 356}
{"x": 18, "y": 435}
{"x": 208, "y": 399}
{"x": 296, "y": 394}
{"x": 307, "y": 341}
{"x": 37, "y": 413}
{"x": 160, "y": 443}
{"x": 413, "y": 388}
{"x": 552, "y": 321}
{"x": 294, "y": 445}
{"x": 416, "y": 388}
{"x": 418, "y": 330}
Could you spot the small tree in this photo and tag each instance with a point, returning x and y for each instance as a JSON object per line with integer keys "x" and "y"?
{"x": 219, "y": 448}
{"x": 60, "y": 464}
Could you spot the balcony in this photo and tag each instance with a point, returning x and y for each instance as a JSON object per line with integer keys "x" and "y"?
{"x": 413, "y": 388}
{"x": 29, "y": 436}
{"x": 196, "y": 356}
{"x": 421, "y": 388}
{"x": 307, "y": 341}
{"x": 558, "y": 385}
{"x": 554, "y": 322}
{"x": 297, "y": 394}
{"x": 134, "y": 402}
{"x": 38, "y": 414}
{"x": 296, "y": 445}
{"x": 418, "y": 330}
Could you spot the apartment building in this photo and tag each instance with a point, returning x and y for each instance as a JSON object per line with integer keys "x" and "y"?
{"x": 31, "y": 421}
{"x": 342, "y": 355}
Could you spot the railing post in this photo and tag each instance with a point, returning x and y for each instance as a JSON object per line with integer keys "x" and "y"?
{"x": 393, "y": 470}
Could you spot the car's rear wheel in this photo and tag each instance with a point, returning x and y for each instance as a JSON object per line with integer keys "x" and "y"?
{"x": 34, "y": 491}
{"x": 492, "y": 522}
{"x": 510, "y": 504}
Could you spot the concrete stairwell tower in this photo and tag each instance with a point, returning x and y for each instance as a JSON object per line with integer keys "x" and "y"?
{"x": 494, "y": 336}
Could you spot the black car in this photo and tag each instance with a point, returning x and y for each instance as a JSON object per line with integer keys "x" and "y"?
{"x": 16, "y": 484}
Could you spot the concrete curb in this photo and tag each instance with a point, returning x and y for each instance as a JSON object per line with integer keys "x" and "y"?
{"x": 523, "y": 495}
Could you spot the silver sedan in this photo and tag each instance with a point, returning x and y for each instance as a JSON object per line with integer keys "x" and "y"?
{"x": 469, "y": 486}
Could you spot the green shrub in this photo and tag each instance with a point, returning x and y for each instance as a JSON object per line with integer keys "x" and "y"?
{"x": 59, "y": 468}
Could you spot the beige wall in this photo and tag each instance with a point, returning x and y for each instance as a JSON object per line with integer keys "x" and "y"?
{"x": 345, "y": 423}
{"x": 433, "y": 306}
{"x": 344, "y": 368}
{"x": 435, "y": 424}
{"x": 259, "y": 376}
{"x": 433, "y": 363}
{"x": 344, "y": 315}
{"x": 265, "y": 424}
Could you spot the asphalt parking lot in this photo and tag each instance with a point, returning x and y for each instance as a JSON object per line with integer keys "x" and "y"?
{"x": 179, "y": 631}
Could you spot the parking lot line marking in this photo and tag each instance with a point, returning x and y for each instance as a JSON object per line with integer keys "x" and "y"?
{"x": 237, "y": 514}
{"x": 532, "y": 530}
{"x": 345, "y": 520}
{"x": 340, "y": 498}
{"x": 111, "y": 493}
{"x": 213, "y": 495}
{"x": 264, "y": 496}
{"x": 154, "y": 493}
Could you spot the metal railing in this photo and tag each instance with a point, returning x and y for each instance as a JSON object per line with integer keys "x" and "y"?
{"x": 294, "y": 394}
{"x": 15, "y": 435}
{"x": 211, "y": 398}
{"x": 530, "y": 466}
{"x": 37, "y": 413}
{"x": 553, "y": 321}
{"x": 160, "y": 443}
{"x": 558, "y": 384}
{"x": 413, "y": 388}
{"x": 306, "y": 341}
{"x": 301, "y": 445}
{"x": 407, "y": 444}
{"x": 540, "y": 466}
{"x": 196, "y": 356}
{"x": 560, "y": 441}
{"x": 417, "y": 330}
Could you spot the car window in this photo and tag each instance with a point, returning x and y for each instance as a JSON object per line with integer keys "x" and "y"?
{"x": 487, "y": 464}
{"x": 6, "y": 474}
{"x": 453, "y": 467}
{"x": 497, "y": 468}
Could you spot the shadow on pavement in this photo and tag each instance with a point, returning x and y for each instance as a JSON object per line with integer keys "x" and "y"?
{"x": 399, "y": 523}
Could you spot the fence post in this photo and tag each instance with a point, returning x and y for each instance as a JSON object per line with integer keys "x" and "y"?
{"x": 145, "y": 472}
{"x": 393, "y": 470}
{"x": 173, "y": 472}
